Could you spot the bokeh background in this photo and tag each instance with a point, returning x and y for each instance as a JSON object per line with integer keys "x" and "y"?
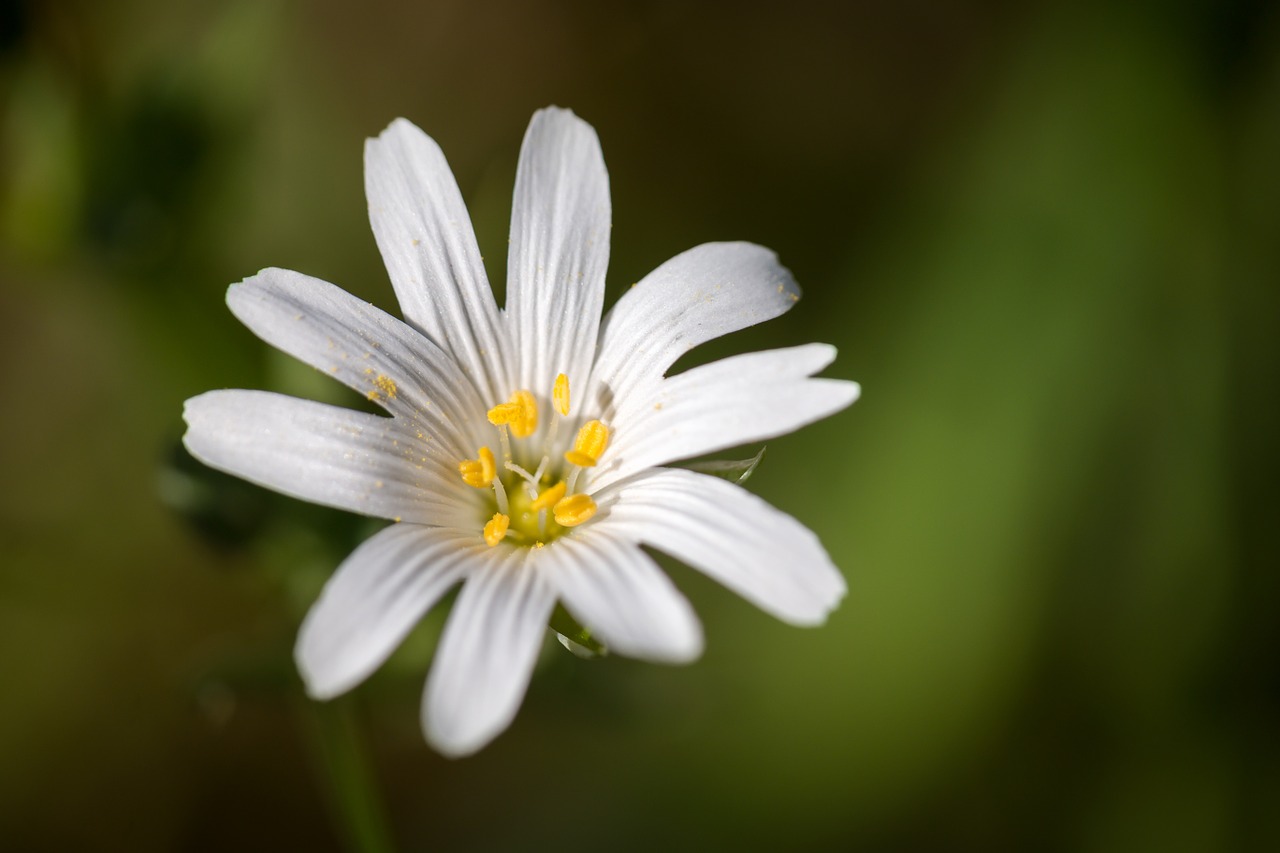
{"x": 1044, "y": 237}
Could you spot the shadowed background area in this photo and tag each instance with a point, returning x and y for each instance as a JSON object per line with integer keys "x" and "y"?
{"x": 1043, "y": 238}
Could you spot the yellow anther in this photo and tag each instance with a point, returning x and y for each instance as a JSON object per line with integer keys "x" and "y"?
{"x": 525, "y": 425}
{"x": 549, "y": 497}
{"x": 589, "y": 446}
{"x": 573, "y": 510}
{"x": 478, "y": 472}
{"x": 503, "y": 413}
{"x": 520, "y": 413}
{"x": 560, "y": 394}
{"x": 496, "y": 528}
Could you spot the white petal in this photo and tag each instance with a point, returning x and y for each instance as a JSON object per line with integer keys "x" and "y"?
{"x": 559, "y": 249}
{"x": 363, "y": 347}
{"x": 486, "y": 655}
{"x": 425, "y": 236}
{"x": 701, "y": 294}
{"x": 720, "y": 405}
{"x": 729, "y": 534}
{"x": 374, "y": 599}
{"x": 323, "y": 454}
{"x": 615, "y": 590}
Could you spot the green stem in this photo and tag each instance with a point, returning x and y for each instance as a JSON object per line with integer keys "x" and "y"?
{"x": 353, "y": 796}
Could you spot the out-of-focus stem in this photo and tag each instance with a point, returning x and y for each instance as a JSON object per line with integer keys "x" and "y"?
{"x": 343, "y": 760}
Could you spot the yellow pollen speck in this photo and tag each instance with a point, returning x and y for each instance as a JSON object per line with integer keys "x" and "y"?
{"x": 386, "y": 385}
{"x": 549, "y": 497}
{"x": 590, "y": 444}
{"x": 538, "y": 544}
{"x": 560, "y": 394}
{"x": 496, "y": 529}
{"x": 373, "y": 395}
{"x": 416, "y": 241}
{"x": 574, "y": 510}
{"x": 479, "y": 473}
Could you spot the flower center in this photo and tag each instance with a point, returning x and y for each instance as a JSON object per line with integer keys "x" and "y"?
{"x": 534, "y": 504}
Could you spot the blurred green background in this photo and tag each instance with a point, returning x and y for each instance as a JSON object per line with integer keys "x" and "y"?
{"x": 1044, "y": 237}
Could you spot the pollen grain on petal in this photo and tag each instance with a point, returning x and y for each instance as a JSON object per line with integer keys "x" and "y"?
{"x": 386, "y": 385}
{"x": 496, "y": 528}
{"x": 574, "y": 510}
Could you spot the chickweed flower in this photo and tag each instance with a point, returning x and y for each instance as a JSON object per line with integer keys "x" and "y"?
{"x": 522, "y": 449}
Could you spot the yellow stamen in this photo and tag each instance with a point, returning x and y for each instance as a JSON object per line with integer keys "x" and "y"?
{"x": 478, "y": 472}
{"x": 590, "y": 444}
{"x": 520, "y": 413}
{"x": 496, "y": 529}
{"x": 560, "y": 394}
{"x": 527, "y": 423}
{"x": 503, "y": 413}
{"x": 549, "y": 497}
{"x": 573, "y": 510}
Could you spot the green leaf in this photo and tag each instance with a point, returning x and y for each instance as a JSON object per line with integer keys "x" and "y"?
{"x": 733, "y": 470}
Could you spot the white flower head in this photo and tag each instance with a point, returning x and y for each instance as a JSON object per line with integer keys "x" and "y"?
{"x": 521, "y": 456}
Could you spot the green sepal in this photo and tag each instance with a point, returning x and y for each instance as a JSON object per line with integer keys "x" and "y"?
{"x": 733, "y": 470}
{"x": 573, "y": 636}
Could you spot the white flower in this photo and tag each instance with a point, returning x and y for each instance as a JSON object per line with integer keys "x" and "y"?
{"x": 521, "y": 456}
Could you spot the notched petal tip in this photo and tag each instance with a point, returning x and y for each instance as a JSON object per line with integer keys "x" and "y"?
{"x": 754, "y": 256}
{"x": 686, "y": 651}
{"x": 397, "y": 127}
{"x": 315, "y": 686}
{"x": 824, "y": 355}
{"x": 195, "y": 414}
{"x": 265, "y": 279}
{"x": 320, "y": 664}
{"x": 454, "y": 738}
{"x": 238, "y": 290}
{"x": 842, "y": 393}
{"x": 552, "y": 112}
{"x": 453, "y": 746}
{"x": 817, "y": 616}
